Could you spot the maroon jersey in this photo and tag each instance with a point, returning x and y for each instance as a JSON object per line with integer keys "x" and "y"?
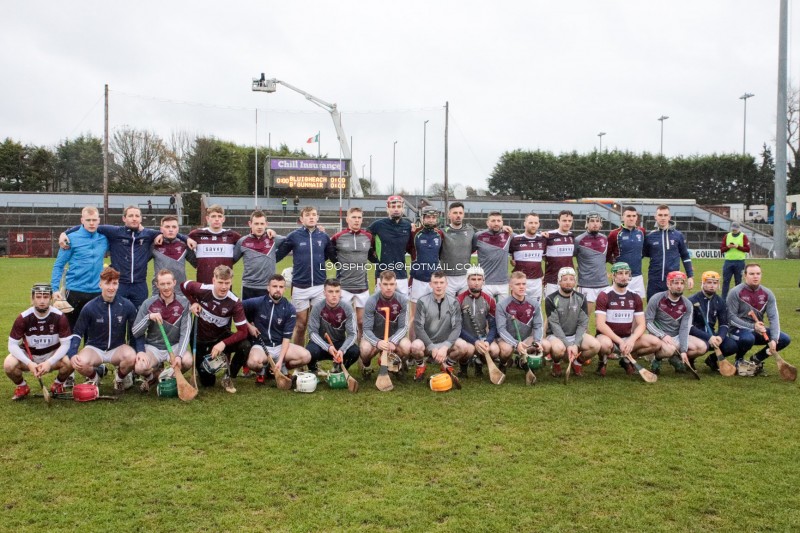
{"x": 44, "y": 334}
{"x": 214, "y": 322}
{"x": 213, "y": 249}
{"x": 558, "y": 254}
{"x": 527, "y": 253}
{"x": 620, "y": 310}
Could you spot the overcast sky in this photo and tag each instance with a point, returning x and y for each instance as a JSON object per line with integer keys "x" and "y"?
{"x": 534, "y": 74}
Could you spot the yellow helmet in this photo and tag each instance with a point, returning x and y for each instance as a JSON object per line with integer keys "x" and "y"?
{"x": 441, "y": 382}
{"x": 709, "y": 274}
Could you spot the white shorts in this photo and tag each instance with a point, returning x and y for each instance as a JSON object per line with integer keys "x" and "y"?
{"x": 359, "y": 297}
{"x": 456, "y": 285}
{"x": 570, "y": 339}
{"x": 105, "y": 355}
{"x": 302, "y": 299}
{"x": 636, "y": 285}
{"x": 591, "y": 292}
{"x": 419, "y": 289}
{"x": 402, "y": 287}
{"x": 495, "y": 290}
{"x": 162, "y": 356}
{"x": 533, "y": 290}
{"x": 550, "y": 288}
{"x": 273, "y": 351}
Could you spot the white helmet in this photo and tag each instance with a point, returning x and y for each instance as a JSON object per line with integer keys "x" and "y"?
{"x": 566, "y": 271}
{"x": 287, "y": 275}
{"x": 475, "y": 270}
{"x": 306, "y": 382}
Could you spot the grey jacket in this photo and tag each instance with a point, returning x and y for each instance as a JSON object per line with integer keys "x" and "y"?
{"x": 437, "y": 324}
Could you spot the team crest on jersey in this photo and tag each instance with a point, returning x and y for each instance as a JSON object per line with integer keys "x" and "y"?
{"x": 319, "y": 242}
{"x": 214, "y": 238}
{"x": 119, "y": 319}
{"x": 224, "y": 310}
{"x": 279, "y": 321}
{"x": 672, "y": 242}
{"x": 52, "y": 328}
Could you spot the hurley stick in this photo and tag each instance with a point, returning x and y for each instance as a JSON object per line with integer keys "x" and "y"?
{"x": 186, "y": 392}
{"x": 648, "y": 376}
{"x": 726, "y": 368}
{"x": 352, "y": 384}
{"x": 530, "y": 377}
{"x": 282, "y": 381}
{"x": 384, "y": 381}
{"x": 45, "y": 392}
{"x": 788, "y": 372}
{"x": 496, "y": 375}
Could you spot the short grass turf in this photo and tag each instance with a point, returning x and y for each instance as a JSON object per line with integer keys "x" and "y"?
{"x": 611, "y": 454}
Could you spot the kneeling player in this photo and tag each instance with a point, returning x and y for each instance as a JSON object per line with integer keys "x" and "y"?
{"x": 519, "y": 323}
{"x": 169, "y": 310}
{"x": 272, "y": 318}
{"x": 621, "y": 327}
{"x": 567, "y": 320}
{"x": 437, "y": 325}
{"x": 372, "y": 341}
{"x": 478, "y": 329}
{"x": 710, "y": 309}
{"x": 38, "y": 343}
{"x": 329, "y": 319}
{"x": 105, "y": 321}
{"x": 669, "y": 317}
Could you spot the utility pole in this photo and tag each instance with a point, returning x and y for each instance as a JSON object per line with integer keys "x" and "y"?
{"x": 446, "y": 128}
{"x": 600, "y": 135}
{"x": 424, "y": 149}
{"x": 661, "y": 119}
{"x": 105, "y": 161}
{"x": 779, "y": 211}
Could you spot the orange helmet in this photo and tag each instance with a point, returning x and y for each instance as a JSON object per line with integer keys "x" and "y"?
{"x": 441, "y": 382}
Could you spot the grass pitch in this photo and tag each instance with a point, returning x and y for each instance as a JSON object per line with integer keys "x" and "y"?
{"x": 598, "y": 455}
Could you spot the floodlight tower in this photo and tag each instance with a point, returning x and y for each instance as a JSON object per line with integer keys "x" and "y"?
{"x": 270, "y": 86}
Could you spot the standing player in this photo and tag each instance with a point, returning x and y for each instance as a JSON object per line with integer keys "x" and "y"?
{"x": 567, "y": 321}
{"x": 708, "y": 310}
{"x": 735, "y": 247}
{"x": 457, "y": 248}
{"x": 106, "y": 321}
{"x": 336, "y": 319}
{"x": 526, "y": 255}
{"x": 752, "y": 296}
{"x": 215, "y": 306}
{"x": 625, "y": 246}
{"x": 85, "y": 260}
{"x": 559, "y": 249}
{"x": 310, "y": 246}
{"x": 437, "y": 326}
{"x": 389, "y": 242}
{"x": 258, "y": 251}
{"x": 272, "y": 318}
{"x": 131, "y": 248}
{"x": 171, "y": 254}
{"x": 424, "y": 246}
{"x": 519, "y": 322}
{"x": 620, "y": 323}
{"x": 591, "y": 248}
{"x": 669, "y": 317}
{"x": 372, "y": 342}
{"x": 351, "y": 254}
{"x": 478, "y": 328}
{"x": 215, "y": 244}
{"x": 170, "y": 310}
{"x": 666, "y": 248}
{"x": 38, "y": 343}
{"x": 492, "y": 245}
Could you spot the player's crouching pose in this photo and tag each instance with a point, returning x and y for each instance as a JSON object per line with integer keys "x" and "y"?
{"x": 567, "y": 321}
{"x": 38, "y": 343}
{"x": 621, "y": 327}
{"x": 272, "y": 319}
{"x": 105, "y": 321}
{"x": 170, "y": 311}
{"x": 372, "y": 342}
{"x": 437, "y": 325}
{"x": 519, "y": 323}
{"x": 669, "y": 317}
{"x": 478, "y": 329}
{"x": 332, "y": 320}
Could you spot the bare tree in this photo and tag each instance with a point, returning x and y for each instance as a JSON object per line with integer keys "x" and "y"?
{"x": 179, "y": 148}
{"x": 140, "y": 161}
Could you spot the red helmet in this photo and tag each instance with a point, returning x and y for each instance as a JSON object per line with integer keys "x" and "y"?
{"x": 676, "y": 275}
{"x": 393, "y": 199}
{"x": 85, "y": 392}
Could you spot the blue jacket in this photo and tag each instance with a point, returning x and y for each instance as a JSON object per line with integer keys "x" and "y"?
{"x": 105, "y": 325}
{"x": 424, "y": 247}
{"x": 85, "y": 259}
{"x": 309, "y": 250}
{"x": 626, "y": 245}
{"x": 275, "y": 321}
{"x": 130, "y": 251}
{"x": 666, "y": 249}
{"x": 711, "y": 311}
{"x": 389, "y": 243}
